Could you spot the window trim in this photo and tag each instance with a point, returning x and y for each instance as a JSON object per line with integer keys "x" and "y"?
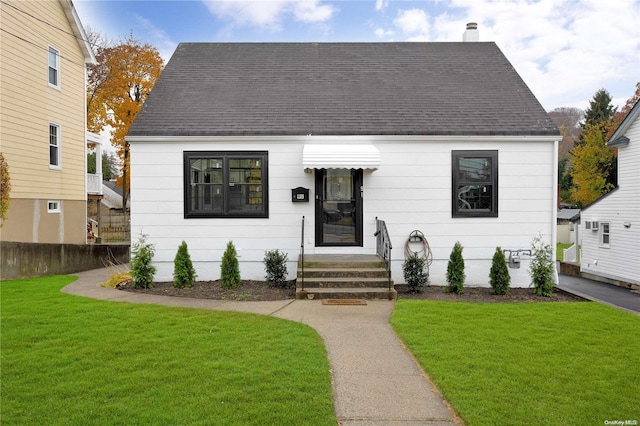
{"x": 50, "y": 50}
{"x": 225, "y": 155}
{"x": 456, "y": 212}
{"x": 601, "y": 235}
{"x": 54, "y": 206}
{"x": 58, "y": 145}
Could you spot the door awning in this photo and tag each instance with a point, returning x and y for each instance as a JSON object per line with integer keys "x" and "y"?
{"x": 364, "y": 156}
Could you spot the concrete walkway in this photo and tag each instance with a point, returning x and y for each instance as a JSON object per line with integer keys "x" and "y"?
{"x": 375, "y": 379}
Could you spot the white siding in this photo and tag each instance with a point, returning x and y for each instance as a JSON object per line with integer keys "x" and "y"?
{"x": 621, "y": 260}
{"x": 410, "y": 190}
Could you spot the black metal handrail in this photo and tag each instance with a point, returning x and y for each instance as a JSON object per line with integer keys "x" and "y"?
{"x": 383, "y": 246}
{"x": 302, "y": 256}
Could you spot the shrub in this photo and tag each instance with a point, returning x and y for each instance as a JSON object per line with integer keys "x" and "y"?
{"x": 414, "y": 273}
{"x": 184, "y": 274}
{"x": 499, "y": 277}
{"x": 142, "y": 269}
{"x": 230, "y": 269}
{"x": 455, "y": 270}
{"x": 275, "y": 265}
{"x": 541, "y": 267}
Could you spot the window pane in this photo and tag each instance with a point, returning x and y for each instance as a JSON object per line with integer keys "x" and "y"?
{"x": 474, "y": 197}
{"x": 53, "y": 155}
{"x": 53, "y": 135}
{"x": 53, "y": 66}
{"x": 245, "y": 198}
{"x": 206, "y": 185}
{"x": 474, "y": 169}
{"x": 245, "y": 170}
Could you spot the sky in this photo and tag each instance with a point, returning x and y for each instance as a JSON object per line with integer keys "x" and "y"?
{"x": 565, "y": 50}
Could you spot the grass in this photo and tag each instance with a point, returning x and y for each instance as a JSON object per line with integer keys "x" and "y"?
{"x": 72, "y": 360}
{"x": 538, "y": 363}
{"x": 560, "y": 253}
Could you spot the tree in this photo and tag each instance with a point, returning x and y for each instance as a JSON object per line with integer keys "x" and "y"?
{"x": 142, "y": 269}
{"x": 567, "y": 119}
{"x": 592, "y": 163}
{"x": 5, "y": 189}
{"x": 414, "y": 273}
{"x": 622, "y": 114}
{"x": 117, "y": 86}
{"x": 109, "y": 165}
{"x": 600, "y": 111}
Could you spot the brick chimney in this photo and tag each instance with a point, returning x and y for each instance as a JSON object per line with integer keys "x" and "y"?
{"x": 472, "y": 33}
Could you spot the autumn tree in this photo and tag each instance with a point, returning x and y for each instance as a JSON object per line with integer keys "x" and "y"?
{"x": 622, "y": 114}
{"x": 591, "y": 162}
{"x": 567, "y": 119}
{"x": 117, "y": 87}
{"x": 5, "y": 189}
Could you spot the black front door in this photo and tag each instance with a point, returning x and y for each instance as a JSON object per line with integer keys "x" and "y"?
{"x": 338, "y": 207}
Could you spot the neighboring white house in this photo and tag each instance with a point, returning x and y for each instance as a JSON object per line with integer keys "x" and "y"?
{"x": 444, "y": 138}
{"x": 610, "y": 227}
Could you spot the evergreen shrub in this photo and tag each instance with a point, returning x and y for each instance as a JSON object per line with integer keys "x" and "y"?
{"x": 414, "y": 273}
{"x": 499, "y": 277}
{"x": 184, "y": 274}
{"x": 541, "y": 267}
{"x": 275, "y": 265}
{"x": 142, "y": 269}
{"x": 230, "y": 269}
{"x": 455, "y": 270}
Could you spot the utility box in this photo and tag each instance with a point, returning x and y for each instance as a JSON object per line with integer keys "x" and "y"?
{"x": 300, "y": 195}
{"x": 514, "y": 261}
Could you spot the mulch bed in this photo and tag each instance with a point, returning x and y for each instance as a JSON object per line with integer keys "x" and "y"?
{"x": 262, "y": 291}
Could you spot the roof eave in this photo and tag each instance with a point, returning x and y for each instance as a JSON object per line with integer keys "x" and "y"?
{"x": 78, "y": 31}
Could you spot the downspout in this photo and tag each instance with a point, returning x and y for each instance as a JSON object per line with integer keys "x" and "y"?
{"x": 554, "y": 211}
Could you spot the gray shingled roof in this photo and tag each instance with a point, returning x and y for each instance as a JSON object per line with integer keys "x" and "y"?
{"x": 218, "y": 89}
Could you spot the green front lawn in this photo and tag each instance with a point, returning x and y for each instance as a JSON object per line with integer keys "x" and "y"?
{"x": 72, "y": 360}
{"x": 527, "y": 363}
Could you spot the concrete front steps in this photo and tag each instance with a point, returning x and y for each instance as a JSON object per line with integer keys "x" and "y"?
{"x": 343, "y": 277}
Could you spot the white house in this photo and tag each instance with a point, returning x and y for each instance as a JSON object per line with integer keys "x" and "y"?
{"x": 610, "y": 227}
{"x": 444, "y": 138}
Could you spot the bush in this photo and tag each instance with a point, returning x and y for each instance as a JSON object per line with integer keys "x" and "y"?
{"x": 541, "y": 267}
{"x": 230, "y": 269}
{"x": 455, "y": 270}
{"x": 142, "y": 269}
{"x": 184, "y": 274}
{"x": 275, "y": 265}
{"x": 414, "y": 273}
{"x": 499, "y": 277}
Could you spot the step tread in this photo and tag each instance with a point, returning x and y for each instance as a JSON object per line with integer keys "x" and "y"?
{"x": 346, "y": 290}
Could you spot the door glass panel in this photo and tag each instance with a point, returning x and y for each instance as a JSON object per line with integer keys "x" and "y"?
{"x": 338, "y": 207}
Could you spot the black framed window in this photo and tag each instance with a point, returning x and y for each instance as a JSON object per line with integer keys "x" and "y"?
{"x": 226, "y": 184}
{"x": 474, "y": 183}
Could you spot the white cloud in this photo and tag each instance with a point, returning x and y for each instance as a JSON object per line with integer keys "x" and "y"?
{"x": 414, "y": 23}
{"x": 156, "y": 37}
{"x": 269, "y": 15}
{"x": 381, "y": 32}
{"x": 382, "y": 4}
{"x": 564, "y": 50}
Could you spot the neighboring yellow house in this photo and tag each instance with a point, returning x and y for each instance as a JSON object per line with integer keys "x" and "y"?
{"x": 43, "y": 59}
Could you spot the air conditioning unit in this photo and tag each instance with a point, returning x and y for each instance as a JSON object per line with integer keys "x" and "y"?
{"x": 587, "y": 224}
{"x": 595, "y": 225}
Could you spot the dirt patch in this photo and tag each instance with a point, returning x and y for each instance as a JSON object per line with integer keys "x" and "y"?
{"x": 485, "y": 294}
{"x": 248, "y": 290}
{"x": 262, "y": 291}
